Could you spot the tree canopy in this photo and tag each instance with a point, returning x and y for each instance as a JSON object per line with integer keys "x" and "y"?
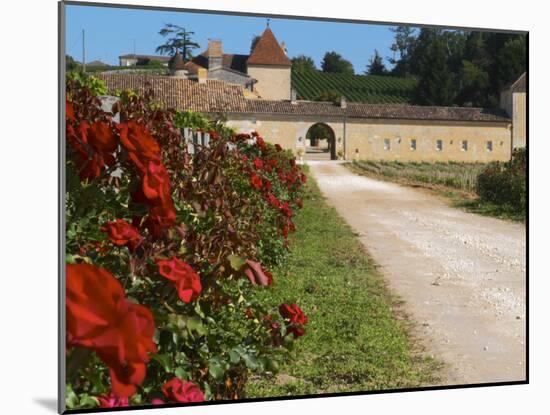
{"x": 302, "y": 63}
{"x": 457, "y": 67}
{"x": 178, "y": 40}
{"x": 376, "y": 65}
{"x": 334, "y": 63}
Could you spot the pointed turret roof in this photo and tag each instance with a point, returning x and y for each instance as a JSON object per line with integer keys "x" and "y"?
{"x": 177, "y": 62}
{"x": 268, "y": 51}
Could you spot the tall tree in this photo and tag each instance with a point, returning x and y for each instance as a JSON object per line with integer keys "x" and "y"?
{"x": 376, "y": 65}
{"x": 402, "y": 48}
{"x": 254, "y": 42}
{"x": 180, "y": 40}
{"x": 434, "y": 85}
{"x": 302, "y": 63}
{"x": 334, "y": 63}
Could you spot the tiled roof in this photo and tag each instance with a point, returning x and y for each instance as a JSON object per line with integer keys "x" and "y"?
{"x": 268, "y": 51}
{"x": 218, "y": 96}
{"x": 181, "y": 93}
{"x": 229, "y": 61}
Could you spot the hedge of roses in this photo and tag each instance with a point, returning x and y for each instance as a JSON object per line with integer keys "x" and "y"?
{"x": 165, "y": 250}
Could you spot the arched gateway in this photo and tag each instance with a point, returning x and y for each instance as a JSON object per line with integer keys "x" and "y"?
{"x": 320, "y": 142}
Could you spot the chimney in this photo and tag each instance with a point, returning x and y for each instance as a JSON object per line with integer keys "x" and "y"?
{"x": 343, "y": 102}
{"x": 214, "y": 54}
{"x": 202, "y": 74}
{"x": 293, "y": 99}
{"x": 283, "y": 47}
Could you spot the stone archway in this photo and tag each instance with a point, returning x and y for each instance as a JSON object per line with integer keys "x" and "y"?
{"x": 320, "y": 142}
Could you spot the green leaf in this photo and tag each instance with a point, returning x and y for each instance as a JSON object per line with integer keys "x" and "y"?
{"x": 182, "y": 373}
{"x": 236, "y": 262}
{"x": 165, "y": 360}
{"x": 216, "y": 369}
{"x": 195, "y": 324}
{"x": 251, "y": 361}
{"x": 234, "y": 356}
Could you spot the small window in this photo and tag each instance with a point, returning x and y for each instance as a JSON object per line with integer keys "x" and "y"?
{"x": 439, "y": 145}
{"x": 413, "y": 144}
{"x": 489, "y": 146}
{"x": 464, "y": 145}
{"x": 386, "y": 144}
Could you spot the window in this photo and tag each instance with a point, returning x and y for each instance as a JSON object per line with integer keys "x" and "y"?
{"x": 386, "y": 144}
{"x": 464, "y": 145}
{"x": 489, "y": 146}
{"x": 439, "y": 145}
{"x": 413, "y": 144}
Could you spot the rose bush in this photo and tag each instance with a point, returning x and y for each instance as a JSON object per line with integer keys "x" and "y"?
{"x": 165, "y": 251}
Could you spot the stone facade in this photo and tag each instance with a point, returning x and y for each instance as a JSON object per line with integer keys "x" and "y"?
{"x": 379, "y": 139}
{"x": 513, "y": 100}
{"x": 273, "y": 82}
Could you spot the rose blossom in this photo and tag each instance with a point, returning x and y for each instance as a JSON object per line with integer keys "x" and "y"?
{"x": 100, "y": 317}
{"x": 178, "y": 390}
{"x": 122, "y": 233}
{"x": 186, "y": 280}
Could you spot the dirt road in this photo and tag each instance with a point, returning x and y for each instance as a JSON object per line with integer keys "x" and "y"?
{"x": 462, "y": 276}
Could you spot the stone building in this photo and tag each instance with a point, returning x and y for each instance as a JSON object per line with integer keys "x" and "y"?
{"x": 254, "y": 93}
{"x": 358, "y": 131}
{"x": 513, "y": 99}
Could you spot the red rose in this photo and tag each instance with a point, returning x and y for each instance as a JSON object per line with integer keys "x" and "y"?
{"x": 178, "y": 390}
{"x": 255, "y": 181}
{"x": 185, "y": 278}
{"x": 102, "y": 137}
{"x": 159, "y": 218}
{"x": 256, "y": 274}
{"x": 267, "y": 185}
{"x": 139, "y": 142}
{"x": 69, "y": 111}
{"x": 111, "y": 401}
{"x": 156, "y": 183}
{"x": 297, "y": 331}
{"x": 121, "y": 233}
{"x": 260, "y": 142}
{"x": 285, "y": 208}
{"x": 273, "y": 201}
{"x": 258, "y": 163}
{"x": 91, "y": 144}
{"x": 99, "y": 317}
{"x": 293, "y": 313}
{"x": 303, "y": 178}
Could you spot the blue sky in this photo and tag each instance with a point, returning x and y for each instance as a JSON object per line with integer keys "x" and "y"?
{"x": 111, "y": 32}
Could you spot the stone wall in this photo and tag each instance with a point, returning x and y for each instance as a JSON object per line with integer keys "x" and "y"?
{"x": 273, "y": 81}
{"x": 519, "y": 119}
{"x": 389, "y": 139}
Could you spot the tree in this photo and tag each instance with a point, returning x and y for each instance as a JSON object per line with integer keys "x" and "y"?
{"x": 180, "y": 41}
{"x": 71, "y": 64}
{"x": 334, "y": 63}
{"x": 254, "y": 42}
{"x": 376, "y": 66}
{"x": 403, "y": 46}
{"x": 302, "y": 63}
{"x": 434, "y": 85}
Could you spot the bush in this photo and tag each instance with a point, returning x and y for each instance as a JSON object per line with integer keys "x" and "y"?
{"x": 505, "y": 183}
{"x": 165, "y": 251}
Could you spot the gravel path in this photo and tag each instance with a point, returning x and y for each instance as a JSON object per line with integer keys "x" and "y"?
{"x": 462, "y": 276}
